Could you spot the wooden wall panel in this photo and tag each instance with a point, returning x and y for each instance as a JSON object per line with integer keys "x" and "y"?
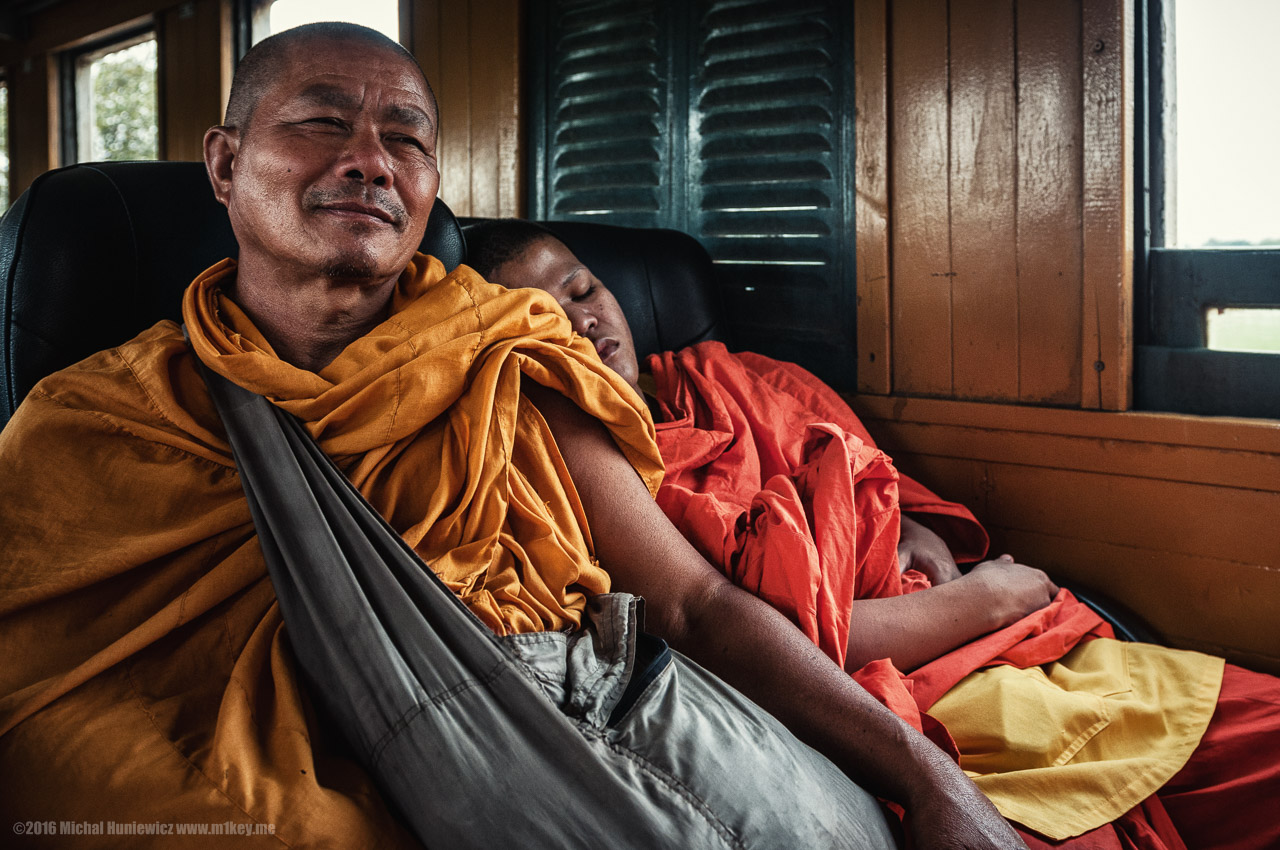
{"x": 921, "y": 213}
{"x": 471, "y": 52}
{"x": 33, "y": 140}
{"x": 1049, "y": 211}
{"x": 984, "y": 174}
{"x": 1108, "y": 203}
{"x": 1161, "y": 512}
{"x": 195, "y": 74}
{"x": 1010, "y": 199}
{"x": 870, "y": 30}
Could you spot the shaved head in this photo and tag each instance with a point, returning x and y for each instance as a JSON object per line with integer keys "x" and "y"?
{"x": 263, "y": 64}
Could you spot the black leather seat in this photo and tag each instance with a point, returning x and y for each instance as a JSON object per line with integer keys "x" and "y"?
{"x": 92, "y": 254}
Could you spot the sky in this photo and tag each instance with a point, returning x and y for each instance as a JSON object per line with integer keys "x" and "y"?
{"x": 381, "y": 15}
{"x": 1228, "y": 120}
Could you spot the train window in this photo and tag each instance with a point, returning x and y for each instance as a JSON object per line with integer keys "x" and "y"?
{"x": 109, "y": 104}
{"x": 1207, "y": 283}
{"x": 1242, "y": 329}
{"x": 4, "y": 144}
{"x": 730, "y": 121}
{"x": 273, "y": 17}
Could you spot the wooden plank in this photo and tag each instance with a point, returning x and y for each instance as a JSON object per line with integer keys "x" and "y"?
{"x": 195, "y": 67}
{"x": 424, "y": 42}
{"x": 494, "y": 92}
{"x": 1049, "y": 202}
{"x": 920, "y": 205}
{"x": 510, "y": 116}
{"x": 1174, "y": 429}
{"x": 1162, "y": 516}
{"x": 441, "y": 44}
{"x": 1166, "y": 516}
{"x": 984, "y": 283}
{"x": 1233, "y": 604}
{"x": 483, "y": 162}
{"x": 871, "y": 57}
{"x": 33, "y": 141}
{"x": 1108, "y": 204}
{"x": 1159, "y": 462}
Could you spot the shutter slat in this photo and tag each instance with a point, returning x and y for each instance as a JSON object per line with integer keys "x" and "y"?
{"x": 767, "y": 201}
{"x": 607, "y": 118}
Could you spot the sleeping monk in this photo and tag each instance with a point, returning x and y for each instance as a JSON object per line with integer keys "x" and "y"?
{"x": 149, "y": 676}
{"x": 776, "y": 482}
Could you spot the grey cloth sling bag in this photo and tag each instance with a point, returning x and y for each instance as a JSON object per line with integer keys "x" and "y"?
{"x": 486, "y": 742}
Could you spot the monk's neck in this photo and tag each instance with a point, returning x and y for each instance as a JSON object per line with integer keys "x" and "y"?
{"x": 309, "y": 322}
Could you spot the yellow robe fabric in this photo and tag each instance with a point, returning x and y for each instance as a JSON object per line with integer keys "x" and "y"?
{"x": 147, "y": 676}
{"x": 1069, "y": 746}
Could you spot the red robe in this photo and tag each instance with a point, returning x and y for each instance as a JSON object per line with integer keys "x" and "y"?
{"x": 775, "y": 481}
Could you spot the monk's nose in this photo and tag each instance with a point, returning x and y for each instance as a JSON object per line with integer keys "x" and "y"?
{"x": 583, "y": 322}
{"x": 365, "y": 159}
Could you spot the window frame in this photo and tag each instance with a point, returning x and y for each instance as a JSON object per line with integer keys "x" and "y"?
{"x": 4, "y": 141}
{"x": 68, "y": 96}
{"x": 1175, "y": 287}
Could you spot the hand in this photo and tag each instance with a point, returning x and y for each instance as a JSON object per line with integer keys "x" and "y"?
{"x": 921, "y": 549}
{"x": 1019, "y": 589}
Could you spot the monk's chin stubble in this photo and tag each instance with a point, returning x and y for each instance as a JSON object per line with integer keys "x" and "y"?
{"x": 351, "y": 268}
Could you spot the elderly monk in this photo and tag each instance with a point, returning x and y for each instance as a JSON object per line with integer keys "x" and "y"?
{"x": 149, "y": 676}
{"x": 774, "y": 479}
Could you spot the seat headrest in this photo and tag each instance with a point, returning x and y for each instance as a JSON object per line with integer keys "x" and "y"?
{"x": 93, "y": 254}
{"x": 664, "y": 281}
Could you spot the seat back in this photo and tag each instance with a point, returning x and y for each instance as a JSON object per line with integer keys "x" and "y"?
{"x": 93, "y": 254}
{"x": 663, "y": 279}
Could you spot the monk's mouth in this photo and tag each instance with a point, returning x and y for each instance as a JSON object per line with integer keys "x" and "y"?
{"x": 606, "y": 348}
{"x": 360, "y": 212}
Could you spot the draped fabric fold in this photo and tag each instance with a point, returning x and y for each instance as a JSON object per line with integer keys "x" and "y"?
{"x": 454, "y": 725}
{"x": 149, "y": 643}
{"x": 778, "y": 484}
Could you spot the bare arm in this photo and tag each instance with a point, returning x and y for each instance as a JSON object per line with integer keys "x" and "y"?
{"x": 914, "y": 629}
{"x": 758, "y": 651}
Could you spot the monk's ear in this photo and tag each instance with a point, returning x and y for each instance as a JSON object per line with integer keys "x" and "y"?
{"x": 221, "y": 144}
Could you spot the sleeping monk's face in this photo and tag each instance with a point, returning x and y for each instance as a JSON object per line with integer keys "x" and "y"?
{"x": 547, "y": 264}
{"x": 336, "y": 173}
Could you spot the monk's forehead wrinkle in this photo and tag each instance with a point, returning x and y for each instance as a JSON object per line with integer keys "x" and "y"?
{"x": 338, "y": 97}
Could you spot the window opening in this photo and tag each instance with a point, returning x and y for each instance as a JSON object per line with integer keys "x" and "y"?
{"x": 4, "y": 144}
{"x": 1207, "y": 276}
{"x": 1255, "y": 329}
{"x": 116, "y": 115}
{"x": 1224, "y": 180}
{"x": 273, "y": 17}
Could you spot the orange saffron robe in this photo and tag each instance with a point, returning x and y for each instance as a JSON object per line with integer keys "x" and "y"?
{"x": 147, "y": 675}
{"x": 775, "y": 480}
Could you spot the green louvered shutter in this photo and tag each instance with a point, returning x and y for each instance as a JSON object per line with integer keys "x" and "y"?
{"x": 767, "y": 156}
{"x": 605, "y": 114}
{"x": 729, "y": 120}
